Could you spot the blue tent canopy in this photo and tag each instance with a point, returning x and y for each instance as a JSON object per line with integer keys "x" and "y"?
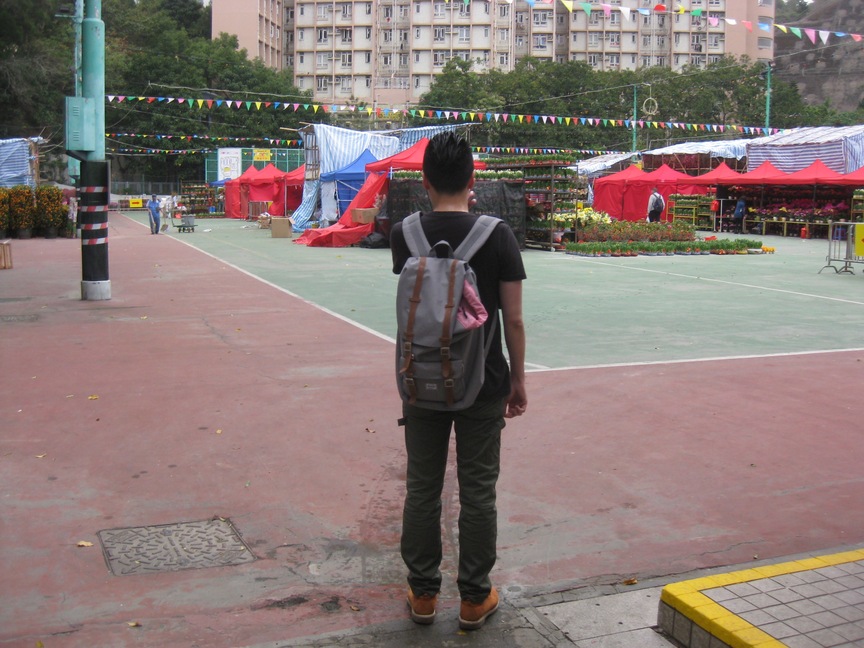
{"x": 220, "y": 183}
{"x": 349, "y": 179}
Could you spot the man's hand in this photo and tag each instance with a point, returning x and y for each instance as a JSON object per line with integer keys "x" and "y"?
{"x": 517, "y": 402}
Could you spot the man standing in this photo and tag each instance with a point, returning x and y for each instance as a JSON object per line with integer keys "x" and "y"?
{"x": 656, "y": 205}
{"x": 153, "y": 208}
{"x": 448, "y": 177}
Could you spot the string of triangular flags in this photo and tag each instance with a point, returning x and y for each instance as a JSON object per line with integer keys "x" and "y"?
{"x": 455, "y": 115}
{"x": 713, "y": 20}
{"x": 272, "y": 141}
{"x": 496, "y": 150}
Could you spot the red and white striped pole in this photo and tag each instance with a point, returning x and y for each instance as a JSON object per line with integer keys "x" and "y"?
{"x": 93, "y": 196}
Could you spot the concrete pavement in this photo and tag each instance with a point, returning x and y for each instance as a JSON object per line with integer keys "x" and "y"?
{"x": 201, "y": 392}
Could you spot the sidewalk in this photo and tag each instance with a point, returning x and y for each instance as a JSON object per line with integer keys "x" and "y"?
{"x": 200, "y": 393}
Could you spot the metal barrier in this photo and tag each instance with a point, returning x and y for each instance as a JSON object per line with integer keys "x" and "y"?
{"x": 845, "y": 245}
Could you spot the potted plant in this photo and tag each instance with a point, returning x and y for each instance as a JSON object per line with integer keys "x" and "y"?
{"x": 50, "y": 210}
{"x": 22, "y": 209}
{"x": 4, "y": 211}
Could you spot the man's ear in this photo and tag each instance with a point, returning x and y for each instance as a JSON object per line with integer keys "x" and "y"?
{"x": 471, "y": 181}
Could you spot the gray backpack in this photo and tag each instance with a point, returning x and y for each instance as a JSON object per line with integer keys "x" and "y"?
{"x": 441, "y": 347}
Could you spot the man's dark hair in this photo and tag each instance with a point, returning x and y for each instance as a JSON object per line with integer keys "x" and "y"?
{"x": 448, "y": 163}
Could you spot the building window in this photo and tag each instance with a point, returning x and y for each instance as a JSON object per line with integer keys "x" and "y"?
{"x": 503, "y": 11}
{"x": 289, "y": 14}
{"x": 388, "y": 14}
{"x": 540, "y": 41}
{"x": 593, "y": 39}
{"x": 403, "y": 11}
{"x": 615, "y": 18}
{"x": 464, "y": 10}
{"x": 594, "y": 18}
{"x": 417, "y": 33}
{"x": 416, "y": 82}
{"x": 388, "y": 35}
{"x": 345, "y": 84}
{"x": 646, "y": 40}
{"x": 646, "y": 61}
{"x": 368, "y": 33}
{"x": 322, "y": 84}
{"x": 614, "y": 39}
{"x": 592, "y": 60}
{"x": 464, "y": 34}
{"x": 504, "y": 60}
{"x": 323, "y": 35}
{"x": 368, "y": 57}
{"x": 323, "y": 11}
{"x": 765, "y": 43}
{"x": 614, "y": 60}
{"x": 504, "y": 36}
{"x": 439, "y": 59}
{"x": 322, "y": 60}
{"x": 403, "y": 59}
{"x": 347, "y": 59}
{"x": 346, "y": 35}
{"x": 368, "y": 8}
{"x": 439, "y": 34}
{"x": 416, "y": 57}
{"x": 440, "y": 10}
{"x": 541, "y": 18}
{"x": 346, "y": 10}
{"x": 387, "y": 60}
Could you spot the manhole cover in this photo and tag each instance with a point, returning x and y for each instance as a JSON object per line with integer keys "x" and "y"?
{"x": 172, "y": 547}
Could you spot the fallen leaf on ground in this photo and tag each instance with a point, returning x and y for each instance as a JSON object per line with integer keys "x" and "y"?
{"x": 219, "y": 431}
{"x": 133, "y": 624}
{"x": 93, "y": 397}
{"x": 630, "y": 581}
{"x": 84, "y": 543}
{"x": 42, "y": 456}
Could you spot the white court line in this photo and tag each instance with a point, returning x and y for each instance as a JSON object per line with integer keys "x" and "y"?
{"x": 721, "y": 281}
{"x": 321, "y": 308}
{"x": 691, "y": 360}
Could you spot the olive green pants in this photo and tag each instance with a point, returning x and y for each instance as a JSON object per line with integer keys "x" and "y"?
{"x": 478, "y": 454}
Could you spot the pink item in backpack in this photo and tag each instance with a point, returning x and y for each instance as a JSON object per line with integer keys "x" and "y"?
{"x": 471, "y": 313}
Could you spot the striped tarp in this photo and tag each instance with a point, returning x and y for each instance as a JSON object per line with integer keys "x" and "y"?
{"x": 839, "y": 148}
{"x": 339, "y": 147}
{"x": 15, "y": 163}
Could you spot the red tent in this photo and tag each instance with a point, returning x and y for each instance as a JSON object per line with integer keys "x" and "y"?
{"x": 854, "y": 177}
{"x": 722, "y": 174}
{"x": 625, "y": 195}
{"x": 237, "y": 194}
{"x": 815, "y": 174}
{"x": 346, "y": 232}
{"x": 765, "y": 173}
{"x": 411, "y": 159}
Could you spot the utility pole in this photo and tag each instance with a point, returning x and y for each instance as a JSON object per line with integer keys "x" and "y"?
{"x": 768, "y": 67}
{"x": 635, "y": 116}
{"x": 85, "y": 141}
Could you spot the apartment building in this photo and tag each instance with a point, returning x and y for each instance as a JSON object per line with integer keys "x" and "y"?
{"x": 258, "y": 25}
{"x": 387, "y": 52}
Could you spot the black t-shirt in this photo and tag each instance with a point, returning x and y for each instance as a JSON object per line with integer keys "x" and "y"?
{"x": 498, "y": 260}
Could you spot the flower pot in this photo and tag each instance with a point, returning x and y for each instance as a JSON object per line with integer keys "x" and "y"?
{"x": 25, "y": 233}
{"x": 50, "y": 232}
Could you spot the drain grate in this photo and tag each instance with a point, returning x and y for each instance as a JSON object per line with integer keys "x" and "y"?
{"x": 19, "y": 318}
{"x": 172, "y": 547}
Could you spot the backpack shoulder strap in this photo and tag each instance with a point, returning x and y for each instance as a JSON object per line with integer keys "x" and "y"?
{"x": 479, "y": 234}
{"x": 415, "y": 238}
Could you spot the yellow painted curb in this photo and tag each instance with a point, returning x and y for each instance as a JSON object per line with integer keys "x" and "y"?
{"x": 687, "y": 598}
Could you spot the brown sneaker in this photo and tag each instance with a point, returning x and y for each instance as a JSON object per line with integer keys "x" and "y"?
{"x": 422, "y": 607}
{"x": 472, "y": 616}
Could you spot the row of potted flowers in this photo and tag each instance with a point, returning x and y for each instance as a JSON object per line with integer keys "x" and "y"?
{"x": 666, "y": 248}
{"x": 24, "y": 209}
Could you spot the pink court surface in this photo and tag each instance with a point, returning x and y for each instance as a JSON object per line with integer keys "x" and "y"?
{"x": 684, "y": 413}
